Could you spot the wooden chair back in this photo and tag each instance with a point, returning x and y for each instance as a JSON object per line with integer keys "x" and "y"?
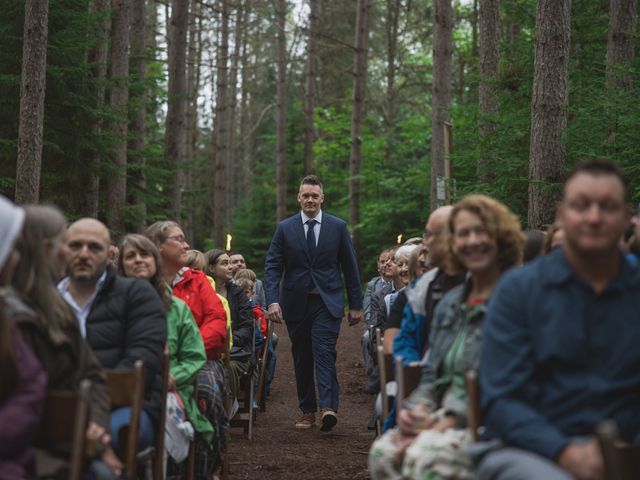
{"x": 621, "y": 460}
{"x": 64, "y": 422}
{"x": 474, "y": 414}
{"x": 384, "y": 362}
{"x": 407, "y": 378}
{"x": 264, "y": 364}
{"x": 126, "y": 388}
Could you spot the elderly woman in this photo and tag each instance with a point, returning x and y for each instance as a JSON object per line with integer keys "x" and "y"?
{"x": 485, "y": 240}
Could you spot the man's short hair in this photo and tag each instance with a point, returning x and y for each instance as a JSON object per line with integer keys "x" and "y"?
{"x": 601, "y": 166}
{"x": 311, "y": 180}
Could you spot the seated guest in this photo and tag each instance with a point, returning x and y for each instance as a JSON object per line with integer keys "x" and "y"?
{"x": 237, "y": 263}
{"x": 22, "y": 379}
{"x": 242, "y": 324}
{"x": 533, "y": 244}
{"x": 431, "y": 434}
{"x": 50, "y": 328}
{"x": 373, "y": 302}
{"x": 122, "y": 319}
{"x": 140, "y": 258}
{"x": 193, "y": 287}
{"x": 416, "y": 266}
{"x": 561, "y": 343}
{"x": 554, "y": 237}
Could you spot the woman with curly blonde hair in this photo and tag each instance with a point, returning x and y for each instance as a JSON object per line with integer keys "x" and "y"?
{"x": 484, "y": 239}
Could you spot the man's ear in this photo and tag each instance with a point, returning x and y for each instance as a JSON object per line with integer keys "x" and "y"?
{"x": 112, "y": 253}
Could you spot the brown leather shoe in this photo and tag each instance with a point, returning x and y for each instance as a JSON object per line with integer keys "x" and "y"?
{"x": 328, "y": 419}
{"x": 306, "y": 420}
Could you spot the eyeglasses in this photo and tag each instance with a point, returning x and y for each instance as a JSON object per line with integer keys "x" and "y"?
{"x": 178, "y": 238}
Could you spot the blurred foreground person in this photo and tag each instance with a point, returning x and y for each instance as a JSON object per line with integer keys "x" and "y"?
{"x": 431, "y": 435}
{"x": 561, "y": 342}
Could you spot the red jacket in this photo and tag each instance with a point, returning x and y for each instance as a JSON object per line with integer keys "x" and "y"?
{"x": 194, "y": 288}
{"x": 260, "y": 319}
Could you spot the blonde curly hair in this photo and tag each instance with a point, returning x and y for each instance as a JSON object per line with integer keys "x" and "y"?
{"x": 501, "y": 225}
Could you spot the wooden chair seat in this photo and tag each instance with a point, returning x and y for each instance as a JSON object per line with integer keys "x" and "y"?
{"x": 263, "y": 365}
{"x": 407, "y": 378}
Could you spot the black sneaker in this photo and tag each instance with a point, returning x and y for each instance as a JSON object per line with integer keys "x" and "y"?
{"x": 328, "y": 419}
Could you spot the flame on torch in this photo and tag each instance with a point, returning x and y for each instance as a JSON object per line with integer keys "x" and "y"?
{"x": 229, "y": 238}
{"x": 399, "y": 239}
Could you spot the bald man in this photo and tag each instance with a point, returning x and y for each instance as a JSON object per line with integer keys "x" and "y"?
{"x": 122, "y": 319}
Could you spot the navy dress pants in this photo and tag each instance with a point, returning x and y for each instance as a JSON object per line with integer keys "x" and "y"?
{"x": 314, "y": 357}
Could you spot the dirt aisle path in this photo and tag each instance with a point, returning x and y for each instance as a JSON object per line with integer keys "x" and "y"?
{"x": 280, "y": 452}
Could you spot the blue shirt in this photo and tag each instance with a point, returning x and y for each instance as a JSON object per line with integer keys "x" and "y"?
{"x": 558, "y": 358}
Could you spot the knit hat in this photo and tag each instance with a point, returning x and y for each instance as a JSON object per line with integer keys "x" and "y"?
{"x": 11, "y": 221}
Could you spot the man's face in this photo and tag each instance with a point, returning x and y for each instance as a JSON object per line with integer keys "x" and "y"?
{"x": 593, "y": 214}
{"x": 87, "y": 252}
{"x": 237, "y": 263}
{"x": 310, "y": 198}
{"x": 433, "y": 238}
{"x": 382, "y": 260}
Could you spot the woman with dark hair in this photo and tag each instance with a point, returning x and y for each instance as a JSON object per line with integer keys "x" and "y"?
{"x": 193, "y": 287}
{"x": 140, "y": 258}
{"x": 51, "y": 329}
{"x": 485, "y": 240}
{"x": 218, "y": 266}
{"x": 22, "y": 379}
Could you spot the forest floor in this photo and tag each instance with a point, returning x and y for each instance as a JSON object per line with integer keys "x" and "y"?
{"x": 280, "y": 452}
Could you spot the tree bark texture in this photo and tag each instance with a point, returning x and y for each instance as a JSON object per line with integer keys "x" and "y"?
{"x": 177, "y": 99}
{"x": 392, "y": 19}
{"x": 489, "y": 68}
{"x": 32, "y": 91}
{"x": 310, "y": 87}
{"x": 220, "y": 128}
{"x": 363, "y": 20}
{"x": 549, "y": 104}
{"x": 232, "y": 188}
{"x": 117, "y": 178}
{"x": 97, "y": 60}
{"x": 138, "y": 125}
{"x": 620, "y": 45}
{"x": 246, "y": 160}
{"x": 281, "y": 162}
{"x": 441, "y": 91}
{"x": 194, "y": 57}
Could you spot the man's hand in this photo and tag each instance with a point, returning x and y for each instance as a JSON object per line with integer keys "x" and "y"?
{"x": 354, "y": 317}
{"x": 97, "y": 433}
{"x": 583, "y": 460}
{"x": 274, "y": 313}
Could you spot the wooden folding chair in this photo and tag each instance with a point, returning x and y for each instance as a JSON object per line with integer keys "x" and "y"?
{"x": 155, "y": 455}
{"x": 621, "y": 460}
{"x": 474, "y": 413}
{"x": 385, "y": 364}
{"x": 264, "y": 365}
{"x": 64, "y": 423}
{"x": 127, "y": 390}
{"x": 407, "y": 378}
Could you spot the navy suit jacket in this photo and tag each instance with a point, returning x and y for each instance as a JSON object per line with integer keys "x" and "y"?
{"x": 290, "y": 272}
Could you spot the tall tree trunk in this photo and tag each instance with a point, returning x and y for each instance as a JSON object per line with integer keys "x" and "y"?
{"x": 177, "y": 92}
{"x": 393, "y": 15}
{"x": 474, "y": 30}
{"x": 152, "y": 45}
{"x": 441, "y": 95}
{"x": 117, "y": 178}
{"x": 281, "y": 162}
{"x": 232, "y": 189}
{"x": 97, "y": 60}
{"x": 246, "y": 178}
{"x": 548, "y": 108}
{"x": 32, "y": 89}
{"x": 221, "y": 137}
{"x": 489, "y": 65}
{"x": 310, "y": 87}
{"x": 620, "y": 45}
{"x": 357, "y": 115}
{"x": 194, "y": 57}
{"x": 138, "y": 124}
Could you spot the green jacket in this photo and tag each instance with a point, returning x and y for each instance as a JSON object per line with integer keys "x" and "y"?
{"x": 187, "y": 357}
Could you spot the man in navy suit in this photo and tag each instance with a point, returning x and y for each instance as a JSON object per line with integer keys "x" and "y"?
{"x": 303, "y": 285}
